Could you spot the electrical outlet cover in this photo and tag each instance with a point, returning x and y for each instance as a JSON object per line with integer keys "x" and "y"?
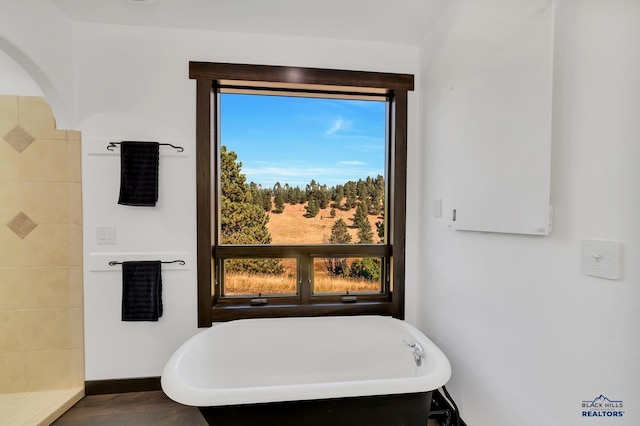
{"x": 601, "y": 259}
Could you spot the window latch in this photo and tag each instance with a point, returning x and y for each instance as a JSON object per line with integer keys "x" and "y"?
{"x": 259, "y": 301}
{"x": 349, "y": 299}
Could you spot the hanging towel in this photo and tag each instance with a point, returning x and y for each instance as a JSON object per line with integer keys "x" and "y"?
{"x": 141, "y": 291}
{"x": 139, "y": 173}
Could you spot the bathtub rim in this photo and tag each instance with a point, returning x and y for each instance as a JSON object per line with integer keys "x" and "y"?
{"x": 192, "y": 395}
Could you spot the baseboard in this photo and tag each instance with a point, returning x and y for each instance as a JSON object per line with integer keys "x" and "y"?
{"x": 141, "y": 384}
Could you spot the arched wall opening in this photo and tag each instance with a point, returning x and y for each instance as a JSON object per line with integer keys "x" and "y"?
{"x": 22, "y": 76}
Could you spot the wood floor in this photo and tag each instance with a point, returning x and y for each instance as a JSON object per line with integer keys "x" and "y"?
{"x": 130, "y": 409}
{"x": 135, "y": 409}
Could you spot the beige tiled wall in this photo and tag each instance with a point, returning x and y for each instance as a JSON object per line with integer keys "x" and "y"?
{"x": 41, "y": 312}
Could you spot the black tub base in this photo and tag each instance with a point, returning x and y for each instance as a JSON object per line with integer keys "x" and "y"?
{"x": 384, "y": 410}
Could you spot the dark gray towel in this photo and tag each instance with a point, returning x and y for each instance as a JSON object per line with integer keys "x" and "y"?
{"x": 141, "y": 291}
{"x": 139, "y": 173}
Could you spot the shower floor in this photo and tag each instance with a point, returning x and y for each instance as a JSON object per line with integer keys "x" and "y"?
{"x": 37, "y": 408}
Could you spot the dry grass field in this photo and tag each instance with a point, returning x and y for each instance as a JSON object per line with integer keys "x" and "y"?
{"x": 291, "y": 227}
{"x": 237, "y": 284}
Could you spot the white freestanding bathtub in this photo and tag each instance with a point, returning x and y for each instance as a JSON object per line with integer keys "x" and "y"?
{"x": 260, "y": 361}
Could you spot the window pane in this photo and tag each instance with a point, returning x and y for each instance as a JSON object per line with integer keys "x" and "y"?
{"x": 355, "y": 275}
{"x": 259, "y": 276}
{"x": 298, "y": 170}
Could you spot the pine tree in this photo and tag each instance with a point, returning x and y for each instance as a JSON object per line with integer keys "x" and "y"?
{"x": 232, "y": 182}
{"x": 377, "y": 195}
{"x": 279, "y": 201}
{"x": 361, "y": 189}
{"x": 324, "y": 197}
{"x": 339, "y": 235}
{"x": 350, "y": 193}
{"x": 254, "y": 195}
{"x": 376, "y": 201}
{"x": 360, "y": 217}
{"x": 365, "y": 233}
{"x": 297, "y": 196}
{"x": 338, "y": 196}
{"x": 241, "y": 221}
{"x": 380, "y": 228}
{"x": 312, "y": 209}
{"x": 311, "y": 190}
{"x": 267, "y": 204}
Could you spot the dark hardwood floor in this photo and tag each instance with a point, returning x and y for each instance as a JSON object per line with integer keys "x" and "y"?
{"x": 135, "y": 409}
{"x": 130, "y": 409}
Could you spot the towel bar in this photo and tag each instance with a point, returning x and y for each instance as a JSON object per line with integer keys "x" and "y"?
{"x": 113, "y": 145}
{"x": 179, "y": 262}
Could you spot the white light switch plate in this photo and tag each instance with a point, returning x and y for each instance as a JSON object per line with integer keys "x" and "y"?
{"x": 437, "y": 207}
{"x": 601, "y": 259}
{"x": 105, "y": 235}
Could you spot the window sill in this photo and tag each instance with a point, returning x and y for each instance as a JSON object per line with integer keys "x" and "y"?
{"x": 233, "y": 312}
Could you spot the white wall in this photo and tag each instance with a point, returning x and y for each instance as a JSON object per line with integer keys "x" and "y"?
{"x": 38, "y": 36}
{"x": 528, "y": 335}
{"x": 14, "y": 80}
{"x": 132, "y": 84}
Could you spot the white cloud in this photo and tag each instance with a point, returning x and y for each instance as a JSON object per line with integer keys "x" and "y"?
{"x": 337, "y": 125}
{"x": 352, "y": 163}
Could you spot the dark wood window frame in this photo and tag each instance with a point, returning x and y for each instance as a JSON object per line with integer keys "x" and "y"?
{"x": 209, "y": 77}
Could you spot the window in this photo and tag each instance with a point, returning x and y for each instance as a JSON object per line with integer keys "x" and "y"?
{"x": 294, "y": 238}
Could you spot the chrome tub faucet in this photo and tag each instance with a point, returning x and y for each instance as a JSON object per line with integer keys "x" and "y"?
{"x": 418, "y": 351}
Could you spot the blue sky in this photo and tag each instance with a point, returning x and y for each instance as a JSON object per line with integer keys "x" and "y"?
{"x": 293, "y": 140}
